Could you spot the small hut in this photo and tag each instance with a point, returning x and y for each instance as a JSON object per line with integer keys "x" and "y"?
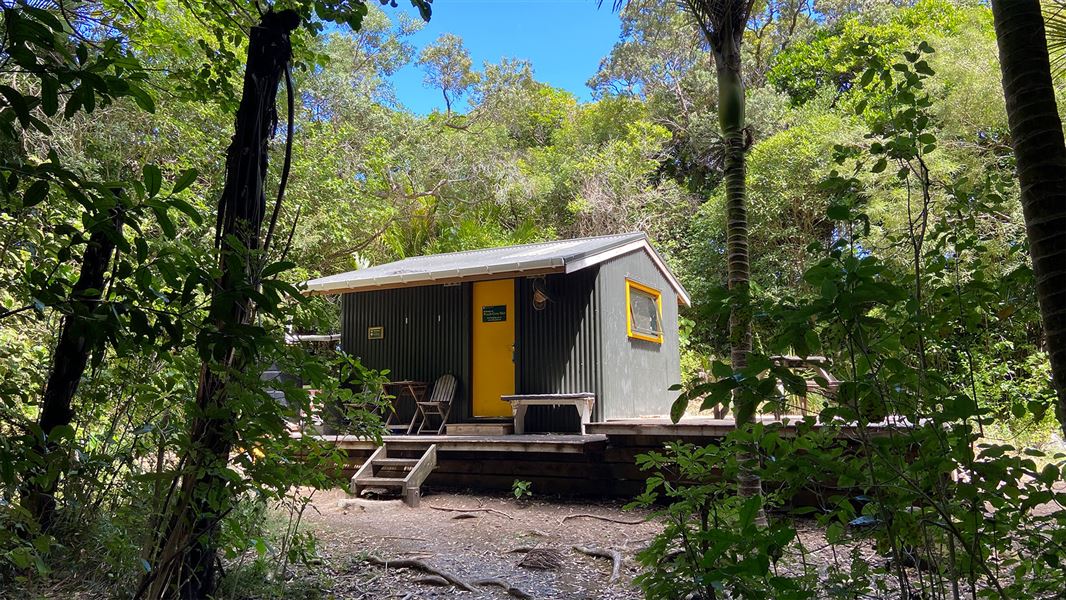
{"x": 594, "y": 315}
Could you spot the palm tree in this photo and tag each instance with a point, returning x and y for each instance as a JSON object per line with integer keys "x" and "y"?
{"x": 1040, "y": 154}
{"x": 722, "y": 24}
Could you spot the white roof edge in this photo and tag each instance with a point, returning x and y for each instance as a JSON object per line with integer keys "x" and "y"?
{"x": 315, "y": 286}
{"x": 635, "y": 245}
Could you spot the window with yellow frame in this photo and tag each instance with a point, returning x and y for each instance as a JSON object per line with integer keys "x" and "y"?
{"x": 644, "y": 311}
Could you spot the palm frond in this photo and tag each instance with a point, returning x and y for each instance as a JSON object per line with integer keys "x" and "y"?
{"x": 1055, "y": 28}
{"x": 713, "y": 16}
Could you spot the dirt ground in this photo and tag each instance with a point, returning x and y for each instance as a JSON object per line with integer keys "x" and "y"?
{"x": 474, "y": 545}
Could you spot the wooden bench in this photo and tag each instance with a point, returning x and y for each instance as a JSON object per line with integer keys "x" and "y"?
{"x": 583, "y": 402}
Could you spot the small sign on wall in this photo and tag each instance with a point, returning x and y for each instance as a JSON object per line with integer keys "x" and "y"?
{"x": 375, "y": 333}
{"x": 494, "y": 314}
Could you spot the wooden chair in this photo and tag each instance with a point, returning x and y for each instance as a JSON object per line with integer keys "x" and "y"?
{"x": 439, "y": 403}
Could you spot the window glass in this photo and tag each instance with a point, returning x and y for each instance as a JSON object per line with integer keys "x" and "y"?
{"x": 644, "y": 312}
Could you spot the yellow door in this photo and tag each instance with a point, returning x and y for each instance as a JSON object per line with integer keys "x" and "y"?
{"x": 493, "y": 347}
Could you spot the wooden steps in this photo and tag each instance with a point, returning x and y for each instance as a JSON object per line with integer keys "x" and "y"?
{"x": 405, "y": 474}
{"x": 368, "y": 482}
{"x": 398, "y": 462}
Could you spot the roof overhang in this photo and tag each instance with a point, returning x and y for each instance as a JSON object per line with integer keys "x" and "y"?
{"x": 338, "y": 284}
{"x": 436, "y": 278}
{"x": 634, "y": 246}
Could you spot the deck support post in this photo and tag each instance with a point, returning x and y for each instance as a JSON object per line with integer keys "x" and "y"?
{"x": 412, "y": 496}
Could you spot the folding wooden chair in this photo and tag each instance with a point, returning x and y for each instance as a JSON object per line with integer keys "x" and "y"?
{"x": 439, "y": 403}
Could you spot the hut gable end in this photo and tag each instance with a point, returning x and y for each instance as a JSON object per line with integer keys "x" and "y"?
{"x": 636, "y": 372}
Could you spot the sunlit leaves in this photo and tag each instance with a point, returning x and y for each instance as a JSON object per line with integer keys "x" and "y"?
{"x": 187, "y": 178}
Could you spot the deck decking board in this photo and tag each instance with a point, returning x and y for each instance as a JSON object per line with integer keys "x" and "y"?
{"x": 706, "y": 427}
{"x": 561, "y": 443}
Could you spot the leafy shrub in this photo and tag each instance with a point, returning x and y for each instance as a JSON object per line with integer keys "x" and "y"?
{"x": 900, "y": 455}
{"x": 521, "y": 490}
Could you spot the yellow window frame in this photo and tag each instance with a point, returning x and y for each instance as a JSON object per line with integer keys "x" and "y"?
{"x": 639, "y": 335}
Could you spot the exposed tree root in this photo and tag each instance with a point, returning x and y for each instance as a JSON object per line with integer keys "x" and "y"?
{"x": 470, "y": 510}
{"x": 602, "y": 518}
{"x": 438, "y": 577}
{"x": 517, "y": 593}
{"x": 411, "y": 563}
{"x": 614, "y": 555}
{"x": 432, "y": 580}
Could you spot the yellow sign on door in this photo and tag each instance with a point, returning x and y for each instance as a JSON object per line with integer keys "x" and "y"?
{"x": 493, "y": 347}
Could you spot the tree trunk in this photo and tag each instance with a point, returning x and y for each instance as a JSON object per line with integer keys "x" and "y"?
{"x": 184, "y": 559}
{"x": 731, "y": 118}
{"x": 1040, "y": 154}
{"x": 78, "y": 338}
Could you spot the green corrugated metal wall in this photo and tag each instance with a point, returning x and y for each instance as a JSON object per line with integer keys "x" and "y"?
{"x": 559, "y": 346}
{"x": 578, "y": 343}
{"x": 426, "y": 334}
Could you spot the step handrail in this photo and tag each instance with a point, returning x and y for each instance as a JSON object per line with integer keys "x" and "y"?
{"x": 366, "y": 468}
{"x": 422, "y": 468}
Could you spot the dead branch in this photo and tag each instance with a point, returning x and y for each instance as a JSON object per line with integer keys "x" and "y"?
{"x": 614, "y": 555}
{"x": 517, "y": 593}
{"x": 602, "y": 518}
{"x": 412, "y": 563}
{"x": 468, "y": 510}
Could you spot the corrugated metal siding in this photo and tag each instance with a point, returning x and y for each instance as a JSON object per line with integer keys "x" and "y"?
{"x": 559, "y": 347}
{"x": 636, "y": 373}
{"x": 578, "y": 343}
{"x": 426, "y": 334}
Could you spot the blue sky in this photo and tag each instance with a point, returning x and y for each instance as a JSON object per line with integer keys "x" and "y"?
{"x": 563, "y": 39}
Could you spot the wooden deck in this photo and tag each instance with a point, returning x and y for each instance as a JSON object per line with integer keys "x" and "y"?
{"x": 600, "y": 463}
{"x": 707, "y": 427}
{"x": 692, "y": 426}
{"x": 537, "y": 443}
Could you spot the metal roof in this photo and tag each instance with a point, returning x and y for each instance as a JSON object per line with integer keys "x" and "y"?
{"x": 561, "y": 256}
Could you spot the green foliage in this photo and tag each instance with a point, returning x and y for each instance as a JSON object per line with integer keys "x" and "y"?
{"x": 70, "y": 92}
{"x": 832, "y": 62}
{"x": 901, "y": 450}
{"x": 711, "y": 545}
{"x": 133, "y": 114}
{"x": 521, "y": 490}
{"x": 448, "y": 67}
